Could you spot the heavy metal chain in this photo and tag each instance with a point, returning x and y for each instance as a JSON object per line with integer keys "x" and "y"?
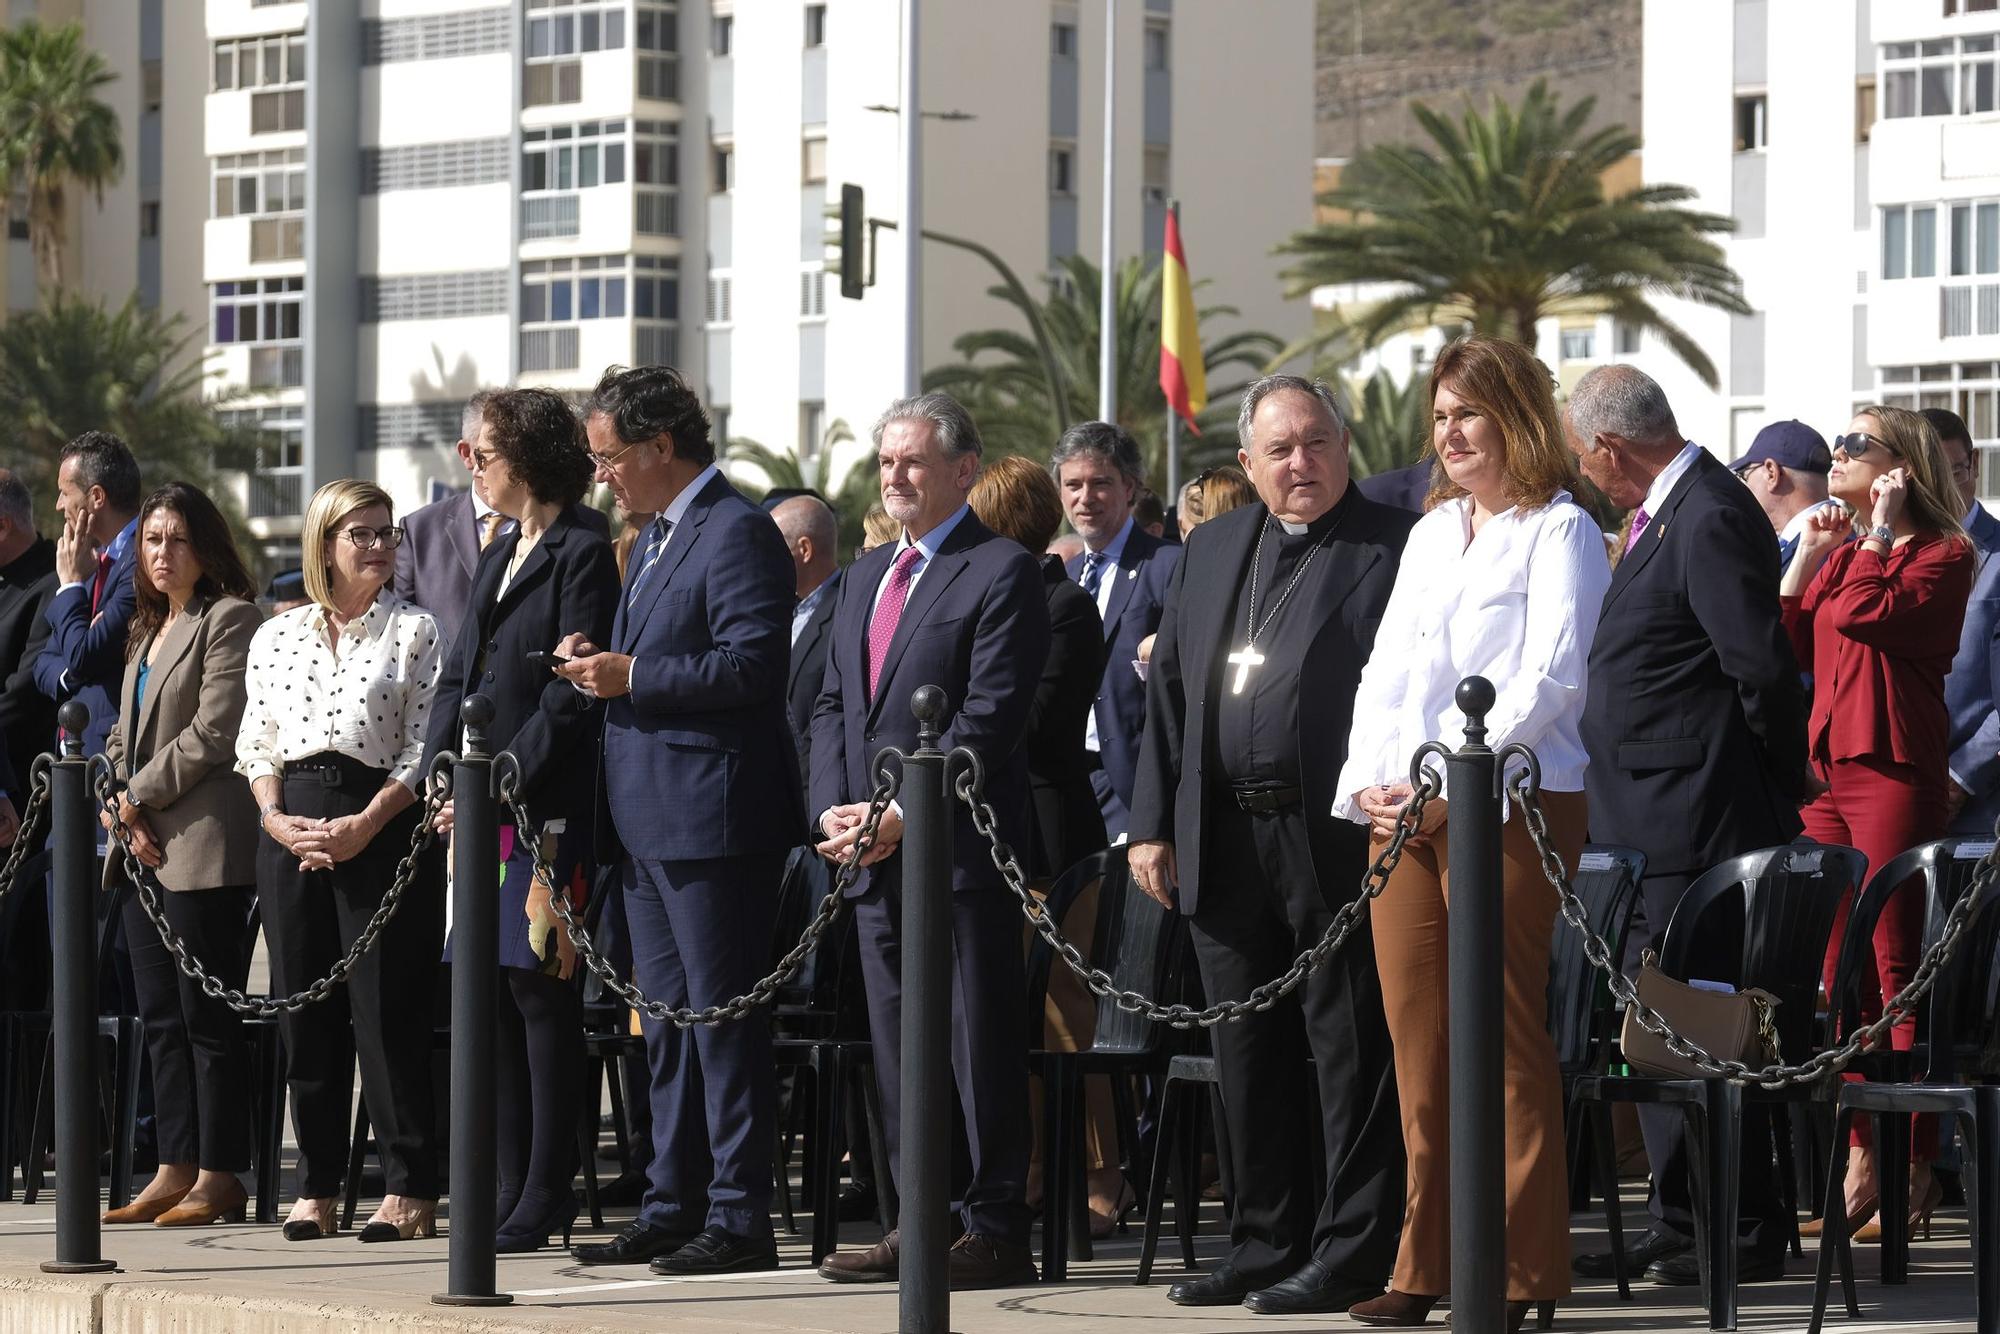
{"x": 24, "y": 834}
{"x": 148, "y": 890}
{"x": 971, "y": 789}
{"x": 888, "y": 780}
{"x": 1777, "y": 1075}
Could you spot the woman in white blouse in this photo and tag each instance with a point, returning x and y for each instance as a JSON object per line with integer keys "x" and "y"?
{"x": 332, "y": 742}
{"x": 1502, "y": 578}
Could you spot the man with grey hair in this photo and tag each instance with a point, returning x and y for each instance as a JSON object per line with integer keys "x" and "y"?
{"x": 442, "y": 540}
{"x": 1269, "y": 619}
{"x": 1126, "y": 570}
{"x": 949, "y": 604}
{"x": 1695, "y": 725}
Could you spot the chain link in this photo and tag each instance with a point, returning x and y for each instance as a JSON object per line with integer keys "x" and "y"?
{"x": 39, "y": 782}
{"x": 888, "y": 780}
{"x": 148, "y": 889}
{"x": 971, "y": 787}
{"x": 1776, "y": 1075}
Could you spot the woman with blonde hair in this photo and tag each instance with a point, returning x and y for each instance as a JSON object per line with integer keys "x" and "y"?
{"x": 1214, "y": 493}
{"x": 877, "y": 528}
{"x": 332, "y": 742}
{"x": 1876, "y": 620}
{"x": 1503, "y": 577}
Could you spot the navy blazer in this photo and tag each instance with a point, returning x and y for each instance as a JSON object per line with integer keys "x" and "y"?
{"x": 90, "y": 650}
{"x": 698, "y": 758}
{"x": 1695, "y": 720}
{"x": 567, "y": 585}
{"x": 1973, "y": 686}
{"x": 1138, "y": 597}
{"x": 1402, "y": 488}
{"x": 977, "y": 626}
{"x": 808, "y": 668}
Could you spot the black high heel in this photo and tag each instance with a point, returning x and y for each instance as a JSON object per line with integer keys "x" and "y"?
{"x": 557, "y": 1214}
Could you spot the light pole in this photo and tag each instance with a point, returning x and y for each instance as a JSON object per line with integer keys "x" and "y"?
{"x": 913, "y": 207}
{"x": 1107, "y": 304}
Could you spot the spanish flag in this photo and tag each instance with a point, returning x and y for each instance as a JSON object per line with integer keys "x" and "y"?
{"x": 1181, "y": 377}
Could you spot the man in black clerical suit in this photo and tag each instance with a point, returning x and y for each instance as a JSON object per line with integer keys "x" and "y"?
{"x": 1270, "y": 617}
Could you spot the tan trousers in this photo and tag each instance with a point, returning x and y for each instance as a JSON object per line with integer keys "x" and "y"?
{"x": 1409, "y": 922}
{"x": 1069, "y": 1019}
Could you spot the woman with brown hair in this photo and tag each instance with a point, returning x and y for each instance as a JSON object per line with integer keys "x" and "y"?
{"x": 192, "y": 824}
{"x": 1502, "y": 578}
{"x": 1877, "y": 623}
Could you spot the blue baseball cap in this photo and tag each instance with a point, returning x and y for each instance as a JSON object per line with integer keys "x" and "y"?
{"x": 1789, "y": 444}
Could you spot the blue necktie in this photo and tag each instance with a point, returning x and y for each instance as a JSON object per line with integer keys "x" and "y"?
{"x": 652, "y": 558}
{"x": 1093, "y": 572}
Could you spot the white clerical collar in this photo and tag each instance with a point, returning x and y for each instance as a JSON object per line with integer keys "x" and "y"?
{"x": 1292, "y": 529}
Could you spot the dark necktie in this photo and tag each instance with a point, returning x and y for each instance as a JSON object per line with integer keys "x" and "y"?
{"x": 97, "y": 584}
{"x": 1093, "y": 572}
{"x": 651, "y": 558}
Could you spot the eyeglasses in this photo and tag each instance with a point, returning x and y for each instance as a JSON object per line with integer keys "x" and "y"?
{"x": 1857, "y": 445}
{"x": 367, "y": 539}
{"x": 609, "y": 461}
{"x": 482, "y": 459}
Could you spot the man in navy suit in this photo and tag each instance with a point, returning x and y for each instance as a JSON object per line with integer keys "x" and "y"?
{"x": 1401, "y": 488}
{"x": 97, "y": 493}
{"x": 950, "y": 604}
{"x": 1127, "y": 570}
{"x": 1974, "y": 683}
{"x": 700, "y": 807}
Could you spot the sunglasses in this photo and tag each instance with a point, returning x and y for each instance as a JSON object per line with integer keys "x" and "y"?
{"x": 1857, "y": 445}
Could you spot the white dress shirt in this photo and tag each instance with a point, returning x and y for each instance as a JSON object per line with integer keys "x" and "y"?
{"x": 1114, "y": 552}
{"x": 927, "y": 549}
{"x": 369, "y": 701}
{"x": 1516, "y": 604}
{"x": 1669, "y": 478}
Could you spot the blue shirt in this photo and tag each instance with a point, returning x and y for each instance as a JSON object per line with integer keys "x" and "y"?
{"x": 808, "y": 604}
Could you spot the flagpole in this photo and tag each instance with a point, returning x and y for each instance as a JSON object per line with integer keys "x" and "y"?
{"x": 913, "y": 207}
{"x": 1107, "y": 329}
{"x": 1173, "y": 495}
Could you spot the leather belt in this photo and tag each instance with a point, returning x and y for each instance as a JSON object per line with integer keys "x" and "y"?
{"x": 1265, "y": 798}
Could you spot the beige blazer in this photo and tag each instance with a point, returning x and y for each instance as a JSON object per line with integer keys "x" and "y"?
{"x": 177, "y": 751}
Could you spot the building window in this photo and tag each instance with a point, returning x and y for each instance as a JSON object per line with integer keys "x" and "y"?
{"x": 257, "y": 310}
{"x": 656, "y": 152}
{"x": 149, "y": 218}
{"x": 722, "y": 35}
{"x": 722, "y": 168}
{"x": 812, "y": 293}
{"x": 1752, "y": 110}
{"x": 657, "y": 39}
{"x": 718, "y": 310}
{"x": 1155, "y": 184}
{"x": 656, "y": 288}
{"x": 1864, "y": 110}
{"x": 1952, "y": 7}
{"x": 150, "y": 85}
{"x": 1062, "y": 170}
{"x": 812, "y": 418}
{"x": 1941, "y": 77}
{"x": 815, "y": 26}
{"x": 813, "y": 162}
{"x": 1969, "y": 388}
{"x": 1625, "y": 338}
{"x": 1062, "y": 41}
{"x": 1579, "y": 344}
{"x": 564, "y": 291}
{"x": 553, "y": 84}
{"x": 252, "y": 183}
{"x": 275, "y": 61}
{"x": 574, "y": 28}
{"x": 573, "y": 157}
{"x": 1156, "y": 47}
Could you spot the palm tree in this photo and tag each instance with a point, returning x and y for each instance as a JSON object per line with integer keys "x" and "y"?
{"x": 54, "y": 132}
{"x": 1024, "y": 391}
{"x": 74, "y": 365}
{"x": 1390, "y": 423}
{"x": 850, "y": 497}
{"x": 1506, "y": 222}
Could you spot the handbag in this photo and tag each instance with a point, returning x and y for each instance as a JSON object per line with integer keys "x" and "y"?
{"x": 1728, "y": 1025}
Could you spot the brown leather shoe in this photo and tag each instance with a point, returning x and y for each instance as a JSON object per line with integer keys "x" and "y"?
{"x": 230, "y": 1208}
{"x": 877, "y": 1264}
{"x": 1400, "y": 1309}
{"x": 982, "y": 1262}
{"x": 146, "y": 1211}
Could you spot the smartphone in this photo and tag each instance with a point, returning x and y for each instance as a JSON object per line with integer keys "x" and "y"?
{"x": 551, "y": 661}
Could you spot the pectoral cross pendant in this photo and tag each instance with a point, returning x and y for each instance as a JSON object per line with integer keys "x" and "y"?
{"x": 1243, "y": 660}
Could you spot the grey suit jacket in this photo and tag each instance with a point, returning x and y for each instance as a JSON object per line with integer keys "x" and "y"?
{"x": 176, "y": 751}
{"x": 441, "y": 550}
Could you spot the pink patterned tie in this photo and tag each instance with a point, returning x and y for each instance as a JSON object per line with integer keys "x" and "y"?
{"x": 889, "y": 613}
{"x": 1639, "y": 521}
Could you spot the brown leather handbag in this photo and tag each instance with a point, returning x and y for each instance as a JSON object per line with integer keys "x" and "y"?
{"x": 1730, "y": 1026}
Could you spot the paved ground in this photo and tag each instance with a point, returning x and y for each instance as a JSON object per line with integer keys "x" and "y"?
{"x": 249, "y": 1278}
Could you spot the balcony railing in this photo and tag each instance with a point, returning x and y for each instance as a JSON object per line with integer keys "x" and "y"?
{"x": 276, "y": 495}
{"x": 1969, "y": 309}
{"x": 655, "y": 343}
{"x": 544, "y": 217}
{"x": 549, "y": 349}
{"x": 277, "y": 238}
{"x": 656, "y": 212}
{"x": 277, "y": 367}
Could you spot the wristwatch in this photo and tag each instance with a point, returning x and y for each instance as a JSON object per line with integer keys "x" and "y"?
{"x": 1884, "y": 534}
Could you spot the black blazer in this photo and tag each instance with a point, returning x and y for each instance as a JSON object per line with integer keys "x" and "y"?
{"x": 439, "y": 557}
{"x": 1695, "y": 719}
{"x": 808, "y": 669}
{"x": 977, "y": 626}
{"x": 27, "y": 716}
{"x": 567, "y": 584}
{"x": 1068, "y": 824}
{"x": 1172, "y": 798}
{"x": 1131, "y": 612}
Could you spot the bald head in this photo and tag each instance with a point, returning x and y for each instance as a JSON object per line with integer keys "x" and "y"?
{"x": 811, "y": 533}
{"x": 1625, "y": 402}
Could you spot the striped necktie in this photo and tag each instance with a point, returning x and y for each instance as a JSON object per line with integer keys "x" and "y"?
{"x": 654, "y": 548}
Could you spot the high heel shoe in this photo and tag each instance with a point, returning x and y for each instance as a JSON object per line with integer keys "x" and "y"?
{"x": 1920, "y": 1216}
{"x": 1103, "y": 1225}
{"x": 422, "y": 1222}
{"x": 146, "y": 1211}
{"x": 1517, "y": 1315}
{"x": 1857, "y": 1216}
{"x": 229, "y": 1209}
{"x": 553, "y": 1214}
{"x": 322, "y": 1222}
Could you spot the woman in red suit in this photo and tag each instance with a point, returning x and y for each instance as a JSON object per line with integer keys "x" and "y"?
{"x": 1878, "y": 620}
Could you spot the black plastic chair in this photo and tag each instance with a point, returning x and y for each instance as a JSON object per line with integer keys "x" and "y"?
{"x": 1607, "y": 880}
{"x": 1784, "y": 900}
{"x": 33, "y": 873}
{"x": 1142, "y": 947}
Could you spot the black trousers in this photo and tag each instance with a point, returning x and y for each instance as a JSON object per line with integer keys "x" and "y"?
{"x": 539, "y": 1060}
{"x": 310, "y": 920}
{"x": 1261, "y": 906}
{"x": 201, "y": 1078}
{"x": 1760, "y": 1219}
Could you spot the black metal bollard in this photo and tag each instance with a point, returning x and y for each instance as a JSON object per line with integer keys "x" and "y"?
{"x": 1478, "y": 1095}
{"x": 475, "y": 955}
{"x": 73, "y": 1026}
{"x": 924, "y": 1175}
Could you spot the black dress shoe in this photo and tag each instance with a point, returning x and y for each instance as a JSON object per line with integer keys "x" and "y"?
{"x": 1684, "y": 1270}
{"x": 638, "y": 1243}
{"x": 1220, "y": 1286}
{"x": 627, "y": 1188}
{"x": 1314, "y": 1288}
{"x": 857, "y": 1203}
{"x": 978, "y": 1261}
{"x": 716, "y": 1251}
{"x": 1649, "y": 1248}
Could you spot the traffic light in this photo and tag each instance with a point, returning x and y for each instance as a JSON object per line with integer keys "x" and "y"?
{"x": 846, "y": 239}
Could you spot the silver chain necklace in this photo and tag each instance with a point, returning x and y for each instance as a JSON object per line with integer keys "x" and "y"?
{"x": 1245, "y": 658}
